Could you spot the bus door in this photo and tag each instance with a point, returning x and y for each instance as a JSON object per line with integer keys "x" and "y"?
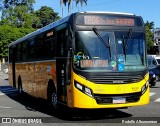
{"x": 61, "y": 66}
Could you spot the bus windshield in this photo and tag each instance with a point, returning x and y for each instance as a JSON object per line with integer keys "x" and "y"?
{"x": 109, "y": 51}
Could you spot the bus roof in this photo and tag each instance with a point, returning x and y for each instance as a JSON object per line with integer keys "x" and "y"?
{"x": 43, "y": 29}
{"x": 63, "y": 20}
{"x": 108, "y": 12}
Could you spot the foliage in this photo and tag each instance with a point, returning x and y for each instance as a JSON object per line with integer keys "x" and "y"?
{"x": 81, "y": 2}
{"x": 9, "y": 3}
{"x": 70, "y": 1}
{"x": 149, "y": 24}
{"x": 149, "y": 34}
{"x": 7, "y": 36}
{"x": 18, "y": 19}
{"x": 149, "y": 37}
{"x": 17, "y": 13}
{"x": 46, "y": 15}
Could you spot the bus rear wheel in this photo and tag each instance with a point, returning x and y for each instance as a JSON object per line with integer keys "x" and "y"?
{"x": 20, "y": 90}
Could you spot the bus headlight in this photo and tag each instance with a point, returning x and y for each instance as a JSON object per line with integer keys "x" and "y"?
{"x": 83, "y": 89}
{"x": 144, "y": 88}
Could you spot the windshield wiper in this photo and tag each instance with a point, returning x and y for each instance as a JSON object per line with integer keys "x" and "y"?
{"x": 129, "y": 37}
{"x": 107, "y": 45}
{"x": 125, "y": 43}
{"x": 124, "y": 47}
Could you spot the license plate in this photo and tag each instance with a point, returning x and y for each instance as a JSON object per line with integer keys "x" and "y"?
{"x": 119, "y": 100}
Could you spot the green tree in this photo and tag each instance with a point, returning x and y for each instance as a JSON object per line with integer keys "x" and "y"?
{"x": 149, "y": 24}
{"x": 19, "y": 19}
{"x": 46, "y": 15}
{"x": 7, "y": 3}
{"x": 149, "y": 34}
{"x": 9, "y": 34}
{"x": 81, "y": 2}
{"x": 69, "y": 3}
{"x": 17, "y": 12}
{"x": 64, "y": 2}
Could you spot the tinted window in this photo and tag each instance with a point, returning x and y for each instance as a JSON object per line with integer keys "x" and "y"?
{"x": 40, "y": 52}
{"x": 24, "y": 51}
{"x": 19, "y": 52}
{"x": 31, "y": 50}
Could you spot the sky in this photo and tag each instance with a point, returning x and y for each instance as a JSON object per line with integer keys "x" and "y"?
{"x": 148, "y": 9}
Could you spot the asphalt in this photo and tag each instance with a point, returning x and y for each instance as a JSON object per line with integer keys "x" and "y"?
{"x": 3, "y": 76}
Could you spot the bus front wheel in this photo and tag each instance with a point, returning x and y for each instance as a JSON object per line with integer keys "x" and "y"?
{"x": 53, "y": 99}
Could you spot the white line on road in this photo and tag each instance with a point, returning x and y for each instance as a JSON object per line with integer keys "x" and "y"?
{"x": 151, "y": 94}
{"x": 158, "y": 100}
{"x": 4, "y": 107}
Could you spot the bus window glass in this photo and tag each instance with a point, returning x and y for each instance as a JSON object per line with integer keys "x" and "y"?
{"x": 40, "y": 53}
{"x": 10, "y": 54}
{"x": 49, "y": 48}
{"x": 19, "y": 50}
{"x": 31, "y": 50}
{"x": 91, "y": 52}
{"x": 125, "y": 53}
{"x": 130, "y": 50}
{"x": 24, "y": 51}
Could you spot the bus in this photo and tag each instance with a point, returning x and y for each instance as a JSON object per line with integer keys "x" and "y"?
{"x": 87, "y": 60}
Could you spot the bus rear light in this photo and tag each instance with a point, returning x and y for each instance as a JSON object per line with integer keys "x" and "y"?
{"x": 83, "y": 89}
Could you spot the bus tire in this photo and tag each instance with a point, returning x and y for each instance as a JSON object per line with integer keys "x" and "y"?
{"x": 52, "y": 97}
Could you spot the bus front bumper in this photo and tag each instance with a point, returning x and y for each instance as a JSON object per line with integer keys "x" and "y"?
{"x": 84, "y": 100}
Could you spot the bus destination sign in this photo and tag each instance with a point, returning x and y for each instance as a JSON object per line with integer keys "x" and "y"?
{"x": 95, "y": 20}
{"x": 109, "y": 20}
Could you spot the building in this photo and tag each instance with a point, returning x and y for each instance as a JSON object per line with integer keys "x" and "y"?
{"x": 157, "y": 36}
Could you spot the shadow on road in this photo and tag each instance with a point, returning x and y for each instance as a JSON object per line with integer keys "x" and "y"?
{"x": 65, "y": 114}
{"x": 155, "y": 86}
{"x": 35, "y": 104}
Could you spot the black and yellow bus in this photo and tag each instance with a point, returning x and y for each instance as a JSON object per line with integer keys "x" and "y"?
{"x": 85, "y": 60}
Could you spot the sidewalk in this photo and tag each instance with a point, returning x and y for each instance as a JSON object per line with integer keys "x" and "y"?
{"x": 3, "y": 76}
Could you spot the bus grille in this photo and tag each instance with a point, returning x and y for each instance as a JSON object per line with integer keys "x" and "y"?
{"x": 110, "y": 78}
{"x": 108, "y": 99}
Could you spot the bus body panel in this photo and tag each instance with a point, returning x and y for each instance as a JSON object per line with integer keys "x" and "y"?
{"x": 35, "y": 76}
{"x": 85, "y": 101}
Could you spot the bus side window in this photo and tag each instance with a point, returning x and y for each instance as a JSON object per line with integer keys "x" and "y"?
{"x": 10, "y": 54}
{"x": 31, "y": 50}
{"x": 49, "y": 48}
{"x": 40, "y": 45}
{"x": 19, "y": 50}
{"x": 24, "y": 51}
